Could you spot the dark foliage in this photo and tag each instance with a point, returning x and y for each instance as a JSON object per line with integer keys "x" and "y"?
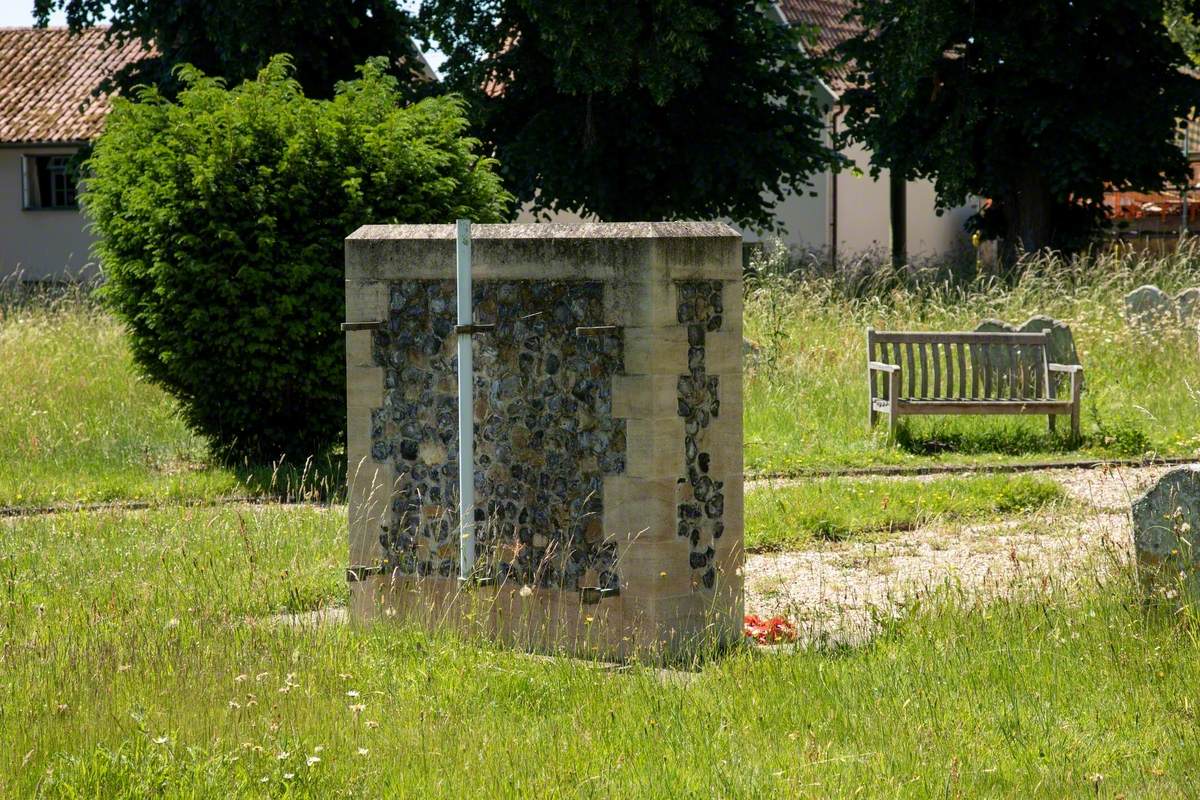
{"x": 234, "y": 39}
{"x": 638, "y": 109}
{"x": 1038, "y": 106}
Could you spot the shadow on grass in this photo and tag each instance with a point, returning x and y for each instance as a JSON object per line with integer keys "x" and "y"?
{"x": 318, "y": 479}
{"x": 1119, "y": 440}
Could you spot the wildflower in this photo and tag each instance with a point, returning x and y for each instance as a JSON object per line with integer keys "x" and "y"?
{"x": 282, "y": 755}
{"x": 240, "y": 678}
{"x": 263, "y": 779}
{"x": 525, "y": 591}
{"x": 161, "y": 740}
{"x": 311, "y": 760}
{"x": 261, "y": 676}
{"x": 287, "y": 776}
{"x": 352, "y": 693}
{"x": 362, "y": 751}
{"x": 123, "y": 667}
{"x": 234, "y": 704}
{"x": 372, "y": 724}
{"x": 358, "y": 708}
{"x": 345, "y": 676}
{"x": 318, "y": 748}
{"x": 173, "y": 622}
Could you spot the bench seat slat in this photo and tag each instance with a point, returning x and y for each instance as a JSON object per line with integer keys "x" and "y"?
{"x": 983, "y": 406}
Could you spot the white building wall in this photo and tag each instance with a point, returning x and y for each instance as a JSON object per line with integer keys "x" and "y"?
{"x": 864, "y": 215}
{"x": 43, "y": 244}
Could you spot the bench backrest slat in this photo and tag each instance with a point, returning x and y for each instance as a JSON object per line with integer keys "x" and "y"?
{"x": 935, "y": 361}
{"x": 962, "y": 370}
{"x": 962, "y": 365}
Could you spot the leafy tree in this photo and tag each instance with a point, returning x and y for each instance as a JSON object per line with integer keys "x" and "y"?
{"x": 221, "y": 220}
{"x": 1181, "y": 23}
{"x": 233, "y": 39}
{"x": 1037, "y": 105}
{"x": 637, "y": 109}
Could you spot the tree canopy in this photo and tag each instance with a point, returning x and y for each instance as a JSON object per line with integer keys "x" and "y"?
{"x": 234, "y": 39}
{"x": 638, "y": 109}
{"x": 1038, "y": 105}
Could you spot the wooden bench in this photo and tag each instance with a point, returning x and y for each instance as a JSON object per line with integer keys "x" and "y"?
{"x": 967, "y": 373}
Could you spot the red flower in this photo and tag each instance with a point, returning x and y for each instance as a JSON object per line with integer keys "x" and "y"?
{"x": 769, "y": 631}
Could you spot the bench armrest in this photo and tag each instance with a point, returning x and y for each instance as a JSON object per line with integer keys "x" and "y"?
{"x": 1064, "y": 368}
{"x": 879, "y": 366}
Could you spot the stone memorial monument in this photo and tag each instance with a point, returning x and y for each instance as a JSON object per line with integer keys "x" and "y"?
{"x": 607, "y": 413}
{"x": 1166, "y": 521}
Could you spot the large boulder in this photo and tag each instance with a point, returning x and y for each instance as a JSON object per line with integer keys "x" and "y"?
{"x": 1166, "y": 520}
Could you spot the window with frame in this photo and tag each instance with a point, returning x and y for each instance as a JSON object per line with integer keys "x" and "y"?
{"x": 47, "y": 182}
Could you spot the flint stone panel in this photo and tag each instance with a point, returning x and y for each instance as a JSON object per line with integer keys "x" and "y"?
{"x": 558, "y": 481}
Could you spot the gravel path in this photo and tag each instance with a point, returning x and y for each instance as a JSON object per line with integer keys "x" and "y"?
{"x": 835, "y": 590}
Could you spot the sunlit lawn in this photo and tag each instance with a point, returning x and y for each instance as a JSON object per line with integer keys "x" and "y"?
{"x": 138, "y": 659}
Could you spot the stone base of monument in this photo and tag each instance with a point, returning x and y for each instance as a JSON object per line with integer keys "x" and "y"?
{"x": 1166, "y": 535}
{"x": 608, "y": 434}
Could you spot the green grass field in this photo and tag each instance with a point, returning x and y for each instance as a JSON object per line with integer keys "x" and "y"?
{"x": 791, "y": 516}
{"x": 140, "y": 655}
{"x": 77, "y": 424}
{"x": 806, "y": 397}
{"x": 138, "y": 659}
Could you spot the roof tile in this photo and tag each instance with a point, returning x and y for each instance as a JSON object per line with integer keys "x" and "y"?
{"x": 829, "y": 17}
{"x": 47, "y": 80}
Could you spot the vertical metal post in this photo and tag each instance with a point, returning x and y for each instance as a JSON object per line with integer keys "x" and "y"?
{"x": 466, "y": 407}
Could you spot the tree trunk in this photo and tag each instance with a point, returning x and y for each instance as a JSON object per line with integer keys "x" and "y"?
{"x": 1027, "y": 212}
{"x": 898, "y": 206}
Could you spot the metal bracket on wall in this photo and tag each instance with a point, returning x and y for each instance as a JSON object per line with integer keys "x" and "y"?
{"x": 476, "y": 328}
{"x": 372, "y": 325}
{"x": 590, "y": 595}
{"x": 359, "y": 573}
{"x": 597, "y": 330}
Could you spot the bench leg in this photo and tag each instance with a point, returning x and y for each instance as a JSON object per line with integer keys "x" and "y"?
{"x": 872, "y": 416}
{"x": 1076, "y": 391}
{"x": 1051, "y": 419}
{"x": 893, "y": 393}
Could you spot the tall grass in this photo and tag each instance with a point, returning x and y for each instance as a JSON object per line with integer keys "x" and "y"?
{"x": 77, "y": 422}
{"x": 793, "y": 516}
{"x": 806, "y": 392}
{"x": 138, "y": 659}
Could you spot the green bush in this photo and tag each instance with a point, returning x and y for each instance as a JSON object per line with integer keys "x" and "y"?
{"x": 221, "y": 220}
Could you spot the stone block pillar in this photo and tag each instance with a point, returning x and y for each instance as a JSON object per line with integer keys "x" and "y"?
{"x": 608, "y": 433}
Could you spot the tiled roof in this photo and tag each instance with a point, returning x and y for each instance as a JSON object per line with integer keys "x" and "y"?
{"x": 829, "y": 17}
{"x": 47, "y": 76}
